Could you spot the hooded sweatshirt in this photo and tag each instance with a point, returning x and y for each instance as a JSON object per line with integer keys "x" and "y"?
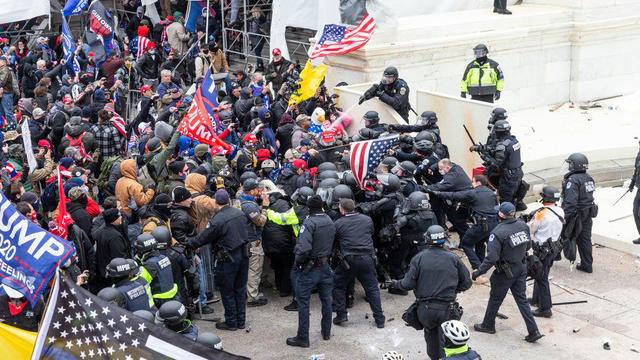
{"x": 128, "y": 189}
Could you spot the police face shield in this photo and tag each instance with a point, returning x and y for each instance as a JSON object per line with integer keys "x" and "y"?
{"x": 565, "y": 167}
{"x": 478, "y": 53}
{"x": 388, "y": 80}
{"x": 397, "y": 170}
{"x": 326, "y": 194}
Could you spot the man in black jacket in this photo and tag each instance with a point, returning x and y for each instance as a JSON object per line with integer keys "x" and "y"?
{"x": 182, "y": 226}
{"x": 77, "y": 208}
{"x": 16, "y": 311}
{"x": 228, "y": 236}
{"x": 110, "y": 244}
{"x": 278, "y": 242}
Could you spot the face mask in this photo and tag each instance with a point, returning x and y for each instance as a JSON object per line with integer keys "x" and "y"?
{"x": 184, "y": 176}
{"x": 34, "y": 216}
{"x": 206, "y": 52}
{"x": 441, "y": 172}
{"x": 128, "y": 65}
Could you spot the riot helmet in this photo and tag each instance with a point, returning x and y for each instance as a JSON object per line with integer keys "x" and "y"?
{"x": 145, "y": 314}
{"x": 328, "y": 174}
{"x": 502, "y": 128}
{"x": 550, "y": 194}
{"x": 387, "y": 164}
{"x": 301, "y": 195}
{"x": 426, "y": 135}
{"x": 365, "y": 134}
{"x": 435, "y": 235}
{"x": 407, "y": 167}
{"x": 418, "y": 201}
{"x": 497, "y": 114}
{"x": 326, "y": 166}
{"x": 171, "y": 313}
{"x": 112, "y": 296}
{"x": 406, "y": 143}
{"x": 210, "y": 340}
{"x": 390, "y": 183}
{"x": 390, "y": 75}
{"x": 427, "y": 118}
{"x": 144, "y": 244}
{"x": 577, "y": 162}
{"x": 371, "y": 118}
{"x": 120, "y": 268}
{"x": 480, "y": 51}
{"x": 424, "y": 147}
{"x": 162, "y": 236}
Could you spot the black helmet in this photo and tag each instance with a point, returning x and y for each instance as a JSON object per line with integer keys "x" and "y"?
{"x": 326, "y": 166}
{"x": 329, "y": 183}
{"x": 498, "y": 114}
{"x": 346, "y": 161}
{"x": 350, "y": 180}
{"x": 389, "y": 162}
{"x": 480, "y": 50}
{"x": 372, "y": 117}
{"x": 435, "y": 235}
{"x": 226, "y": 115}
{"x": 209, "y": 340}
{"x": 145, "y": 314}
{"x": 171, "y": 313}
{"x": 577, "y": 162}
{"x": 406, "y": 143}
{"x": 428, "y": 117}
{"x": 325, "y": 189}
{"x": 145, "y": 243}
{"x": 426, "y": 135}
{"x": 341, "y": 191}
{"x": 247, "y": 175}
{"x": 120, "y": 267}
{"x": 301, "y": 195}
{"x": 424, "y": 147}
{"x": 502, "y": 126}
{"x": 550, "y": 194}
{"x": 154, "y": 144}
{"x": 390, "y": 183}
{"x": 112, "y": 296}
{"x": 418, "y": 201}
{"x": 407, "y": 167}
{"x": 162, "y": 236}
{"x": 365, "y": 134}
{"x": 328, "y": 174}
{"x": 391, "y": 71}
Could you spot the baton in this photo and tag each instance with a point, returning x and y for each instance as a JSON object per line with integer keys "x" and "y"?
{"x": 620, "y": 218}
{"x": 620, "y": 198}
{"x": 469, "y": 134}
{"x": 501, "y": 316}
{"x": 570, "y": 302}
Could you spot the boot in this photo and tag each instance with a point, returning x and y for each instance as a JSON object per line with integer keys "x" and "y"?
{"x": 338, "y": 320}
{"x": 294, "y": 341}
{"x": 542, "y": 313}
{"x": 292, "y": 307}
{"x": 637, "y": 241}
{"x": 482, "y": 328}
{"x": 533, "y": 337}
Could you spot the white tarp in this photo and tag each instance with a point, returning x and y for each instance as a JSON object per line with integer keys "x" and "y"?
{"x": 11, "y": 11}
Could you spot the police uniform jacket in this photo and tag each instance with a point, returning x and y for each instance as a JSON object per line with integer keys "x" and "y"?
{"x": 436, "y": 274}
{"x": 507, "y": 153}
{"x": 227, "y": 228}
{"x": 354, "y": 234}
{"x": 577, "y": 192}
{"x": 455, "y": 180}
{"x": 509, "y": 241}
{"x": 316, "y": 238}
{"x": 481, "y": 199}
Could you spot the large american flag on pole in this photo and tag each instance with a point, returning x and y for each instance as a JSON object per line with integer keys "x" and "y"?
{"x": 366, "y": 155}
{"x": 78, "y": 325}
{"x": 143, "y": 45}
{"x": 337, "y": 39}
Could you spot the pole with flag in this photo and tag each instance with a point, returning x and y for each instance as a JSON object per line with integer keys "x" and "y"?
{"x": 366, "y": 155}
{"x": 64, "y": 218}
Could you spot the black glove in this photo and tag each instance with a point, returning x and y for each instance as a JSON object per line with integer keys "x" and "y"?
{"x": 361, "y": 100}
{"x": 379, "y": 92}
{"x": 151, "y": 187}
{"x": 496, "y": 96}
{"x": 475, "y": 275}
{"x": 463, "y": 95}
{"x": 631, "y": 186}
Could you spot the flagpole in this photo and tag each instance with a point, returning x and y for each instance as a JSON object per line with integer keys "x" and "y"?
{"x": 206, "y": 32}
{"x": 185, "y": 55}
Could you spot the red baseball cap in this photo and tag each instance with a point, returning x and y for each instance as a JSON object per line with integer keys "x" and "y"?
{"x": 262, "y": 154}
{"x": 327, "y": 137}
{"x": 145, "y": 88}
{"x": 90, "y": 53}
{"x": 299, "y": 163}
{"x": 275, "y": 51}
{"x": 250, "y": 138}
{"x": 67, "y": 100}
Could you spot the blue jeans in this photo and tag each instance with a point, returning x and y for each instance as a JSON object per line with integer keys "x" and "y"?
{"x": 203, "y": 286}
{"x": 473, "y": 242}
{"x": 7, "y": 110}
{"x": 322, "y": 278}
{"x": 232, "y": 282}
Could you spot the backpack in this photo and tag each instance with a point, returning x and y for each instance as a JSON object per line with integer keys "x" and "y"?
{"x": 147, "y": 177}
{"x": 50, "y": 196}
{"x": 105, "y": 170}
{"x": 77, "y": 143}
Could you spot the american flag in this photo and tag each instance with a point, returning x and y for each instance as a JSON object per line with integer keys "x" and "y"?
{"x": 79, "y": 325}
{"x": 366, "y": 155}
{"x": 118, "y": 122}
{"x": 337, "y": 39}
{"x": 143, "y": 44}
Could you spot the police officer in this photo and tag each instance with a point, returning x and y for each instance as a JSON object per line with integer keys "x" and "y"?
{"x": 483, "y": 78}
{"x": 227, "y": 234}
{"x": 453, "y": 179}
{"x": 635, "y": 182}
{"x": 314, "y": 246}
{"x": 372, "y": 122}
{"x": 391, "y": 91}
{"x": 579, "y": 209}
{"x": 354, "y": 237}
{"x": 175, "y": 254}
{"x": 490, "y": 145}
{"x": 435, "y": 294}
{"x": 482, "y": 201}
{"x": 414, "y": 221}
{"x": 404, "y": 171}
{"x": 546, "y": 227}
{"x": 173, "y": 315}
{"x": 155, "y": 268}
{"x": 134, "y": 289}
{"x": 456, "y": 335}
{"x": 426, "y": 121}
{"x": 341, "y": 191}
{"x": 508, "y": 245}
{"x": 506, "y": 159}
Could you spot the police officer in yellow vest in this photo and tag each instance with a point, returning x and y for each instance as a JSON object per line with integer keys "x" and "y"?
{"x": 483, "y": 79}
{"x": 155, "y": 268}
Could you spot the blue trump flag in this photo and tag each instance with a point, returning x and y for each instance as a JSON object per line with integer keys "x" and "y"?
{"x": 73, "y": 7}
{"x": 210, "y": 99}
{"x": 29, "y": 255}
{"x": 69, "y": 48}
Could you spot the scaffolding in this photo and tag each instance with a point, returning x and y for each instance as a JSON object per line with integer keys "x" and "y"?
{"x": 236, "y": 34}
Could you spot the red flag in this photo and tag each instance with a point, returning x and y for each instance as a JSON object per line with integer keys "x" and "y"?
{"x": 64, "y": 218}
{"x": 197, "y": 125}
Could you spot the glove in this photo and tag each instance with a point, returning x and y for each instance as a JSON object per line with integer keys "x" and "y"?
{"x": 496, "y": 96}
{"x": 361, "y": 100}
{"x": 475, "y": 148}
{"x": 475, "y": 275}
{"x": 151, "y": 187}
{"x": 631, "y": 186}
{"x": 463, "y": 95}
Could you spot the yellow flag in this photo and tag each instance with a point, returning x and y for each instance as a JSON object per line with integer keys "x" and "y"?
{"x": 16, "y": 343}
{"x": 311, "y": 79}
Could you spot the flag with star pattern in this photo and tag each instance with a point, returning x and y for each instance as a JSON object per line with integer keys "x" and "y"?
{"x": 366, "y": 155}
{"x": 79, "y": 325}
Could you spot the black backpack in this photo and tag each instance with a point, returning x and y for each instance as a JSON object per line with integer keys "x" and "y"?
{"x": 50, "y": 197}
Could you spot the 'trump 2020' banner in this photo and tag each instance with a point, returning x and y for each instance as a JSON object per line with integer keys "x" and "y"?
{"x": 29, "y": 254}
